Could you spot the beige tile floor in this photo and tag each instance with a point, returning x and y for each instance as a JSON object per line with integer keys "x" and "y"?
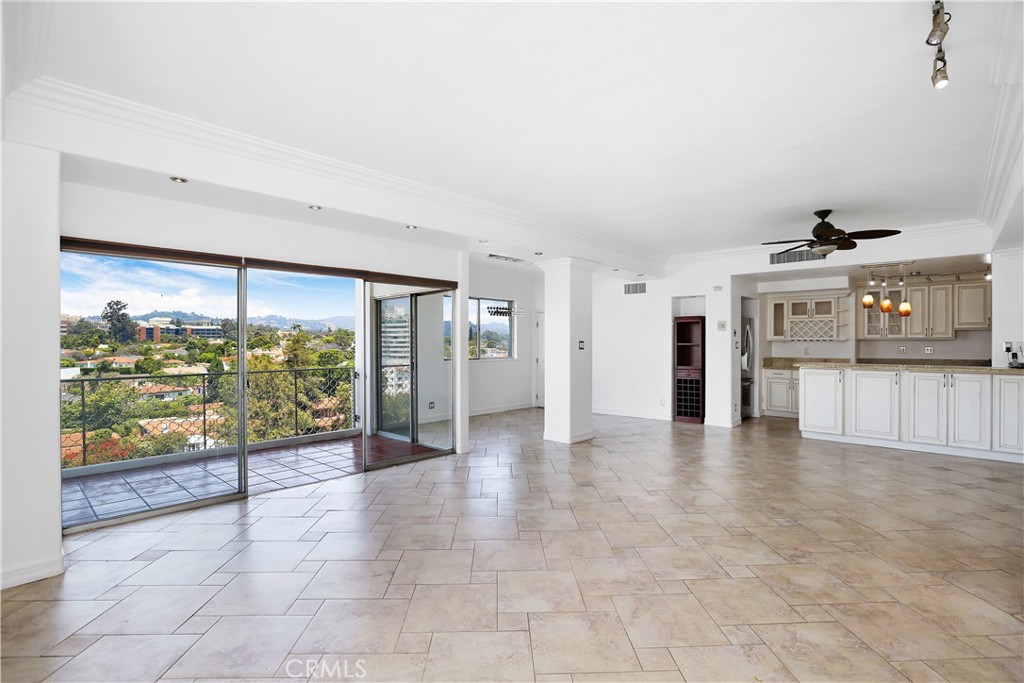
{"x": 655, "y": 552}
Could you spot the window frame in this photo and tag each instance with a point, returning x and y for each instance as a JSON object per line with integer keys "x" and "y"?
{"x": 512, "y": 345}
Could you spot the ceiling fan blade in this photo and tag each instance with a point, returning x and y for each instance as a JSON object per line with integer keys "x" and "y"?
{"x": 846, "y": 245}
{"x": 871, "y": 234}
{"x": 826, "y": 231}
{"x": 799, "y": 246}
{"x": 786, "y": 242}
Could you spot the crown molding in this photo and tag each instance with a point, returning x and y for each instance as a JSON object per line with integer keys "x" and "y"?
{"x": 68, "y": 98}
{"x": 1002, "y": 176}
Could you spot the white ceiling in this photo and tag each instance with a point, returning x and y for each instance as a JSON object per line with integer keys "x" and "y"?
{"x": 669, "y": 127}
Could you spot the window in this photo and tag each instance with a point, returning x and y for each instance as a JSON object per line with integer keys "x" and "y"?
{"x": 490, "y": 328}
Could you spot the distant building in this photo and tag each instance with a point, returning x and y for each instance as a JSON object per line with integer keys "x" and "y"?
{"x": 67, "y": 322}
{"x": 161, "y": 392}
{"x": 161, "y": 329}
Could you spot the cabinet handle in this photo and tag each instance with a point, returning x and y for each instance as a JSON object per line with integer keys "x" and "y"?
{"x": 897, "y": 378}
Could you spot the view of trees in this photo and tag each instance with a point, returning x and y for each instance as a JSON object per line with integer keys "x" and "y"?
{"x": 120, "y": 325}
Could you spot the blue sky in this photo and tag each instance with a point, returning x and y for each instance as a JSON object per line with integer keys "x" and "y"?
{"x": 88, "y": 282}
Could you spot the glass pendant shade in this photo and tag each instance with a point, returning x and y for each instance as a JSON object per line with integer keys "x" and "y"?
{"x": 904, "y": 309}
{"x": 868, "y": 301}
{"x": 886, "y": 305}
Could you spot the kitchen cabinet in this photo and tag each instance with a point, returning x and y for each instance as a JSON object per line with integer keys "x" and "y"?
{"x": 821, "y": 395}
{"x": 878, "y": 325}
{"x": 931, "y": 314}
{"x": 804, "y": 318}
{"x": 970, "y": 406}
{"x": 780, "y": 392}
{"x": 927, "y": 403}
{"x": 875, "y": 409}
{"x": 972, "y": 306}
{"x": 949, "y": 409}
{"x": 1008, "y": 413}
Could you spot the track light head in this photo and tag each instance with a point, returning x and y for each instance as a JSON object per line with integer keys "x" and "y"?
{"x": 940, "y": 79}
{"x": 871, "y": 282}
{"x": 940, "y": 24}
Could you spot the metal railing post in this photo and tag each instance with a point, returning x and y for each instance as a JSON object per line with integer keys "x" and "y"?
{"x": 83, "y": 424}
{"x": 295, "y": 376}
{"x": 204, "y": 411}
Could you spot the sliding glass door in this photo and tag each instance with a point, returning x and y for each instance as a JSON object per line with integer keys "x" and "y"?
{"x": 149, "y": 386}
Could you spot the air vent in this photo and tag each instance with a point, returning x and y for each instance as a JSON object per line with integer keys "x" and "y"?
{"x": 795, "y": 257}
{"x": 636, "y": 288}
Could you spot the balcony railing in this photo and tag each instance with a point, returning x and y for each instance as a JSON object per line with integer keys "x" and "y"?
{"x": 126, "y": 418}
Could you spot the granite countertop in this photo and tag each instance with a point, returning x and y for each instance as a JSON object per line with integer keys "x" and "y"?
{"x": 910, "y": 366}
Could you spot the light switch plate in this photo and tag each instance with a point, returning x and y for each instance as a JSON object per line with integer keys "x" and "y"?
{"x": 929, "y": 349}
{"x": 721, "y": 326}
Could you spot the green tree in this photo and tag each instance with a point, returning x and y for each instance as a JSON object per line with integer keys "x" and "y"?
{"x": 67, "y": 362}
{"x": 229, "y": 329}
{"x": 149, "y": 365}
{"x": 121, "y": 326}
{"x": 297, "y": 349}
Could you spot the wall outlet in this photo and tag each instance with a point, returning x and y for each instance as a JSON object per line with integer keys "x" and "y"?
{"x": 807, "y": 350}
{"x": 1007, "y": 347}
{"x": 430, "y": 405}
{"x": 901, "y": 349}
{"x": 929, "y": 349}
{"x": 661, "y": 401}
{"x": 721, "y": 326}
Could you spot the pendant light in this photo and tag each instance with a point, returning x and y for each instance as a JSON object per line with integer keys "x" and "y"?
{"x": 885, "y": 305}
{"x": 868, "y": 301}
{"x": 904, "y": 309}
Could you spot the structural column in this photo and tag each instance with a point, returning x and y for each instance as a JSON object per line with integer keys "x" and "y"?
{"x": 568, "y": 372}
{"x": 460, "y": 355}
{"x": 29, "y": 338}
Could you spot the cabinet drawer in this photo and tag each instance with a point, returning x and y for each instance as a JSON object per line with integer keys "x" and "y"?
{"x": 779, "y": 374}
{"x": 689, "y": 374}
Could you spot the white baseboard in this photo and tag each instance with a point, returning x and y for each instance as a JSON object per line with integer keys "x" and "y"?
{"x": 630, "y": 413}
{"x": 917, "y": 447}
{"x": 473, "y": 412}
{"x": 568, "y": 438}
{"x": 33, "y": 571}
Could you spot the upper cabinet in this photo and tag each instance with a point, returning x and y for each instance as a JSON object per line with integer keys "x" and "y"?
{"x": 803, "y": 318}
{"x": 972, "y": 306}
{"x": 931, "y": 312}
{"x": 878, "y": 325}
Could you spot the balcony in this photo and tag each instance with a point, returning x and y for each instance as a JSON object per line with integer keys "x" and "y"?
{"x": 140, "y": 442}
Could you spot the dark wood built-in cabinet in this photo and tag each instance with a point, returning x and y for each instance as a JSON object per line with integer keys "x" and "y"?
{"x": 688, "y": 346}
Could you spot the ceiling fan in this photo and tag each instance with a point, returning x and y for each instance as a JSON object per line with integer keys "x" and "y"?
{"x": 826, "y": 238}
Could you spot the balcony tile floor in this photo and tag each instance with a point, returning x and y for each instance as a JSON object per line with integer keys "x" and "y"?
{"x": 102, "y": 496}
{"x": 654, "y": 552}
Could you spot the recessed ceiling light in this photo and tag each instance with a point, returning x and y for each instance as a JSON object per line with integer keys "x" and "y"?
{"x": 615, "y": 270}
{"x": 315, "y": 207}
{"x": 412, "y": 227}
{"x": 482, "y": 241}
{"x": 178, "y": 179}
{"x": 639, "y": 274}
{"x": 538, "y": 253}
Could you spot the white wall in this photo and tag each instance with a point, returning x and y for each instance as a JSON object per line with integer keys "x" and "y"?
{"x": 30, "y": 443}
{"x": 506, "y": 383}
{"x": 433, "y": 372}
{"x": 1007, "y": 309}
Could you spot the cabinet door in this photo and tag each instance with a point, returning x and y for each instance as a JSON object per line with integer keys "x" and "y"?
{"x": 895, "y": 326}
{"x": 927, "y": 403}
{"x": 919, "y": 320}
{"x": 940, "y": 312}
{"x": 823, "y": 308}
{"x": 971, "y": 306}
{"x": 970, "y": 411}
{"x": 875, "y": 412}
{"x": 799, "y": 308}
{"x": 1008, "y": 414}
{"x": 821, "y": 395}
{"x": 777, "y": 393}
{"x": 777, "y": 321}
{"x": 871, "y": 321}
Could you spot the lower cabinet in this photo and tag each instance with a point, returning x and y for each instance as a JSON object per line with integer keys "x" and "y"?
{"x": 1008, "y": 414}
{"x": 781, "y": 391}
{"x": 821, "y": 395}
{"x": 949, "y": 409}
{"x": 875, "y": 410}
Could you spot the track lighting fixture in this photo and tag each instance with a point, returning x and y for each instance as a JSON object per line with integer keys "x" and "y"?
{"x": 940, "y": 24}
{"x": 901, "y": 280}
{"x": 871, "y": 282}
{"x": 940, "y": 79}
{"x": 988, "y": 275}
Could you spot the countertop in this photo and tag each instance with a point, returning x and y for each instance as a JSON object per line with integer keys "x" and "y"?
{"x": 910, "y": 366}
